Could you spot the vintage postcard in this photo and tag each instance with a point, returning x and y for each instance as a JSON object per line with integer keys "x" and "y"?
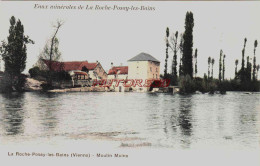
{"x": 130, "y": 83}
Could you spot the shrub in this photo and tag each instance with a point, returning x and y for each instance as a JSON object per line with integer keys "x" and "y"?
{"x": 223, "y": 87}
{"x": 5, "y": 85}
{"x": 61, "y": 76}
{"x": 186, "y": 84}
{"x": 46, "y": 87}
{"x": 235, "y": 85}
{"x": 34, "y": 72}
{"x": 212, "y": 87}
{"x": 8, "y": 84}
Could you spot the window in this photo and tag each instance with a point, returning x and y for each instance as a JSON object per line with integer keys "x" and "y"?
{"x": 156, "y": 75}
{"x": 150, "y": 69}
{"x": 153, "y": 75}
{"x": 156, "y": 69}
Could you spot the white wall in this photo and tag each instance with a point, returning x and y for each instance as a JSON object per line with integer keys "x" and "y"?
{"x": 143, "y": 70}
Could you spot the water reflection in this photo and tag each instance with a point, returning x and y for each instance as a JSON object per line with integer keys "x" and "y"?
{"x": 184, "y": 120}
{"x": 185, "y": 114}
{"x": 48, "y": 112}
{"x": 174, "y": 121}
{"x": 13, "y": 113}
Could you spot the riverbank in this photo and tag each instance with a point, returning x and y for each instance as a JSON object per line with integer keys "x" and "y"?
{"x": 80, "y": 89}
{"x": 32, "y": 85}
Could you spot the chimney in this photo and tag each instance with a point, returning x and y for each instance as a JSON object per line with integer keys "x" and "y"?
{"x": 111, "y": 64}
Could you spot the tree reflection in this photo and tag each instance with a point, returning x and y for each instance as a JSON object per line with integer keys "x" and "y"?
{"x": 184, "y": 118}
{"x": 48, "y": 112}
{"x": 13, "y": 113}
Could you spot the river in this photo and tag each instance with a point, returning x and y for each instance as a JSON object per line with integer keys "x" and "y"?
{"x": 132, "y": 119}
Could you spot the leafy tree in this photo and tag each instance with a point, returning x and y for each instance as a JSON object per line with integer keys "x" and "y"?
{"x": 34, "y": 72}
{"x": 14, "y": 53}
{"x": 52, "y": 50}
{"x": 174, "y": 47}
{"x": 45, "y": 54}
{"x": 254, "y": 62}
{"x": 187, "y": 45}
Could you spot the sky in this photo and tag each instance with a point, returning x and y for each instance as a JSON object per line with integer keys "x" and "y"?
{"x": 117, "y": 36}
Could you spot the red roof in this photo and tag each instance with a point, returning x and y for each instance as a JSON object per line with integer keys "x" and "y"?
{"x": 118, "y": 70}
{"x": 69, "y": 66}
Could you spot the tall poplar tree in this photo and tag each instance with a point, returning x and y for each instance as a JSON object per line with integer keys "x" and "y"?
{"x": 188, "y": 45}
{"x": 254, "y": 62}
{"x": 209, "y": 62}
{"x": 174, "y": 60}
{"x": 174, "y": 47}
{"x": 212, "y": 63}
{"x": 257, "y": 69}
{"x": 248, "y": 69}
{"x": 167, "y": 46}
{"x": 236, "y": 63}
{"x": 220, "y": 65}
{"x": 14, "y": 53}
{"x": 181, "y": 56}
{"x": 223, "y": 75}
{"x": 243, "y": 72}
{"x": 196, "y": 62}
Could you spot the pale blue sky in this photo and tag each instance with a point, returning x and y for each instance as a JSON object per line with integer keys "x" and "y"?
{"x": 117, "y": 36}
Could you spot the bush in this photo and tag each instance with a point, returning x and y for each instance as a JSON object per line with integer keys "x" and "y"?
{"x": 224, "y": 86}
{"x": 235, "y": 84}
{"x": 186, "y": 84}
{"x": 44, "y": 75}
{"x": 19, "y": 83}
{"x": 46, "y": 87}
{"x": 5, "y": 84}
{"x": 61, "y": 76}
{"x": 9, "y": 84}
{"x": 212, "y": 87}
{"x": 255, "y": 86}
{"x": 200, "y": 84}
{"x": 34, "y": 72}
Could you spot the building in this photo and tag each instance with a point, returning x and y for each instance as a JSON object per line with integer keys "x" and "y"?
{"x": 83, "y": 68}
{"x": 118, "y": 73}
{"x": 80, "y": 71}
{"x": 143, "y": 67}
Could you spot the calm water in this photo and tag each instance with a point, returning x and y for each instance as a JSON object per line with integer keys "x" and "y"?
{"x": 133, "y": 119}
